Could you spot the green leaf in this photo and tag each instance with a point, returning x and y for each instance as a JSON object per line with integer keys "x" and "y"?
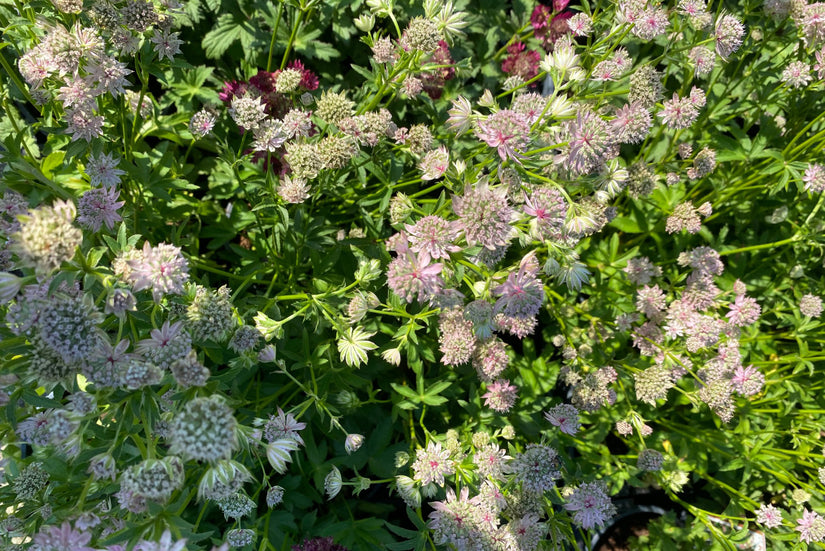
{"x": 405, "y": 391}
{"x": 226, "y": 31}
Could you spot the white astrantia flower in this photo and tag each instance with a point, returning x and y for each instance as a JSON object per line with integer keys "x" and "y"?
{"x": 332, "y": 483}
{"x": 278, "y": 451}
{"x": 353, "y": 346}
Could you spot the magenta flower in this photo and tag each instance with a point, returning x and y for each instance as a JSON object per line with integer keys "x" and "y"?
{"x": 521, "y": 62}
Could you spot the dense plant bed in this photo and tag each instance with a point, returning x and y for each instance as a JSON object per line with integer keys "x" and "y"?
{"x": 444, "y": 275}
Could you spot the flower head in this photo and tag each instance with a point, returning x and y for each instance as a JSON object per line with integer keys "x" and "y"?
{"x": 353, "y": 346}
{"x": 590, "y": 504}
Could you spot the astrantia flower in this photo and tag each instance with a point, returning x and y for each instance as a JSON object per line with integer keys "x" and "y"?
{"x": 166, "y": 345}
{"x": 703, "y": 60}
{"x": 353, "y": 346}
{"x": 209, "y": 315}
{"x": 165, "y": 543}
{"x": 679, "y": 113}
{"x": 435, "y": 163}
{"x": 108, "y": 75}
{"x": 747, "y": 381}
{"x": 432, "y": 464}
{"x": 769, "y": 516}
{"x": 102, "y": 170}
{"x": 500, "y": 395}
{"x": 63, "y": 538}
{"x": 353, "y": 442}
{"x": 411, "y": 276}
{"x": 729, "y": 33}
{"x": 685, "y": 217}
{"x": 590, "y": 504}
{"x": 650, "y": 460}
{"x": 47, "y": 237}
{"x": 797, "y": 74}
{"x": 522, "y": 294}
{"x": 650, "y": 23}
{"x": 589, "y": 139}
{"x": 744, "y": 311}
{"x": 204, "y": 430}
{"x": 632, "y": 123}
{"x": 283, "y": 425}
{"x": 490, "y": 358}
{"x": 484, "y": 215}
{"x": 201, "y": 123}
{"x": 536, "y": 468}
{"x": 814, "y": 178}
{"x": 461, "y": 115}
{"x": 457, "y": 520}
{"x": 333, "y": 107}
{"x": 166, "y": 44}
{"x": 247, "y": 111}
{"x": 810, "y": 305}
{"x": 99, "y": 206}
{"x": 564, "y": 416}
{"x": 505, "y": 130}
{"x": 521, "y": 61}
{"x": 456, "y": 338}
{"x": 240, "y": 537}
{"x": 69, "y": 326}
{"x": 549, "y": 208}
{"x": 421, "y": 34}
{"x": 332, "y": 482}
{"x": 812, "y": 24}
{"x": 434, "y": 236}
{"x": 811, "y": 527}
{"x": 161, "y": 268}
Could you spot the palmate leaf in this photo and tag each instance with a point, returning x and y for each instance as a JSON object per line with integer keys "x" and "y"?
{"x": 226, "y": 31}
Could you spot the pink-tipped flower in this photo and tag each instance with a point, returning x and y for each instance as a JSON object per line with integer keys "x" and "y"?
{"x": 412, "y": 276}
{"x": 500, "y": 396}
{"x": 565, "y": 417}
{"x": 507, "y": 131}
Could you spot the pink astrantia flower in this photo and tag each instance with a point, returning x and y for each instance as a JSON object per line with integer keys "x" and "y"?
{"x": 565, "y": 417}
{"x": 769, "y": 516}
{"x": 744, "y": 311}
{"x": 99, "y": 206}
{"x": 500, "y": 396}
{"x": 590, "y": 504}
{"x": 811, "y": 527}
{"x": 434, "y": 236}
{"x": 64, "y": 537}
{"x": 484, "y": 214}
{"x": 432, "y": 464}
{"x": 522, "y": 294}
{"x": 412, "y": 276}
{"x": 161, "y": 268}
{"x": 747, "y": 381}
{"x": 505, "y": 130}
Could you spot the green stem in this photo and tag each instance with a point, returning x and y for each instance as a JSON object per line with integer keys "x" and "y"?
{"x": 274, "y": 34}
{"x": 295, "y": 26}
